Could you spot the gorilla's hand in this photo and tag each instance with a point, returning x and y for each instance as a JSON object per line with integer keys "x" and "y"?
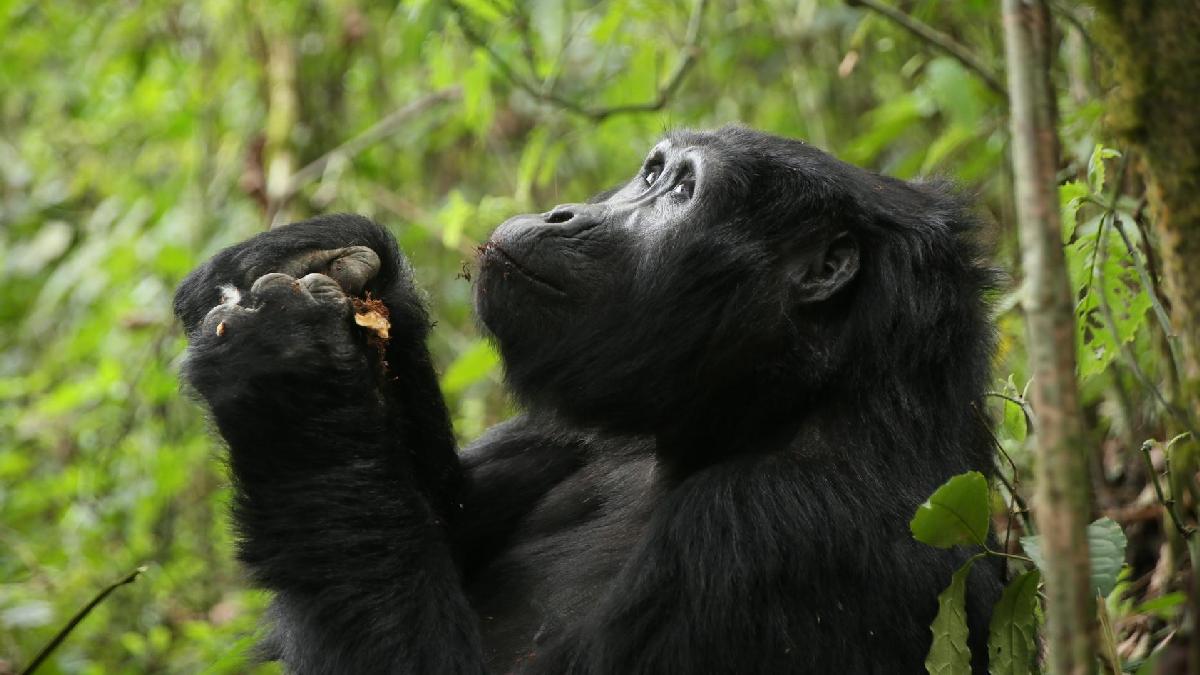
{"x": 270, "y": 322}
{"x": 358, "y": 254}
{"x": 283, "y": 332}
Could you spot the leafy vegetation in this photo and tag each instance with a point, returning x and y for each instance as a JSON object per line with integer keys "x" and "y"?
{"x": 136, "y": 139}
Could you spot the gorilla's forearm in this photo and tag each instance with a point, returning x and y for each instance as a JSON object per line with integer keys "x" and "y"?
{"x": 344, "y": 465}
{"x": 355, "y": 550}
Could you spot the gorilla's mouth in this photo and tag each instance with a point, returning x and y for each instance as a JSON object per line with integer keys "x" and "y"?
{"x": 493, "y": 250}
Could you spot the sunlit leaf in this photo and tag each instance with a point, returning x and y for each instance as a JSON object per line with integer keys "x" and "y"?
{"x": 956, "y": 514}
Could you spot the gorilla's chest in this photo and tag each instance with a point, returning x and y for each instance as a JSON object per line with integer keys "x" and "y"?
{"x": 564, "y": 556}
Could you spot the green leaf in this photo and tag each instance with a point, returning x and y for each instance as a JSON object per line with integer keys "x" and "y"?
{"x": 1071, "y": 197}
{"x": 956, "y": 514}
{"x": 949, "y": 653}
{"x": 1015, "y": 425}
{"x": 1095, "y": 171}
{"x": 1106, "y": 548}
{"x": 1165, "y": 607}
{"x": 1011, "y": 645}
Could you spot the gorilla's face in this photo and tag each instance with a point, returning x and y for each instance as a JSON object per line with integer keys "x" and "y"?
{"x": 672, "y": 293}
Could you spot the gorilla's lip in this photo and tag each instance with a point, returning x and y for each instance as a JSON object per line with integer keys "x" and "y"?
{"x": 511, "y": 261}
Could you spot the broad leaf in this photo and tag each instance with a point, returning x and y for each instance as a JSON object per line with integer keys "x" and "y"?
{"x": 1106, "y": 549}
{"x": 1071, "y": 196}
{"x": 1095, "y": 169}
{"x": 1011, "y": 644}
{"x": 949, "y": 653}
{"x": 1106, "y": 545}
{"x": 956, "y": 514}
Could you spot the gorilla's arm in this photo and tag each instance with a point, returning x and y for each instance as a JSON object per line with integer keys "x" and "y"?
{"x": 345, "y": 469}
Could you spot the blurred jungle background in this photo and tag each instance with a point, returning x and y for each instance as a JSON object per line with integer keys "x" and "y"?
{"x": 138, "y": 138}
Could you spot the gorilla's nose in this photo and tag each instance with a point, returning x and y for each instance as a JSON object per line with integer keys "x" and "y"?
{"x": 574, "y": 218}
{"x": 560, "y": 214}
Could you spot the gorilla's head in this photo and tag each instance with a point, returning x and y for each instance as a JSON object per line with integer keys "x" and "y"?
{"x": 735, "y": 271}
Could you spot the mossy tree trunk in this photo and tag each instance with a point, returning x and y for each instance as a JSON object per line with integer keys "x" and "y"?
{"x": 1154, "y": 106}
{"x": 1153, "y": 71}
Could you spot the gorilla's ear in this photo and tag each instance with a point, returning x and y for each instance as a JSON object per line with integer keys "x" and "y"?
{"x": 821, "y": 270}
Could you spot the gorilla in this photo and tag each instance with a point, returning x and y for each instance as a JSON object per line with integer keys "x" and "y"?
{"x": 740, "y": 373}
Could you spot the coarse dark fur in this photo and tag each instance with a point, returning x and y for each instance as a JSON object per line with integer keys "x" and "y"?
{"x": 742, "y": 371}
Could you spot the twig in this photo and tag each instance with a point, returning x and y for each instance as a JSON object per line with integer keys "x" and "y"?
{"x": 1168, "y": 504}
{"x": 690, "y": 50}
{"x": 373, "y": 134}
{"x": 79, "y": 616}
{"x": 1012, "y": 556}
{"x": 1020, "y": 403}
{"x": 1069, "y": 16}
{"x": 939, "y": 40}
{"x": 1022, "y": 509}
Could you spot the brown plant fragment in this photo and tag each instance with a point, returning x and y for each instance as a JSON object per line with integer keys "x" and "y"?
{"x": 221, "y": 329}
{"x": 372, "y": 314}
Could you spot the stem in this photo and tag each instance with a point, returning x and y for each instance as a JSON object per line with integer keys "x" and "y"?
{"x": 690, "y": 49}
{"x": 79, "y": 616}
{"x": 373, "y": 134}
{"x": 1168, "y": 504}
{"x": 1014, "y": 556}
{"x": 1022, "y": 404}
{"x": 939, "y": 40}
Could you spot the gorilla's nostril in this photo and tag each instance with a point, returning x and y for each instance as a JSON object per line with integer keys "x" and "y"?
{"x": 559, "y": 216}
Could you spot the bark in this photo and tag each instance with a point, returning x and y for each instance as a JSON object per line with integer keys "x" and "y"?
{"x": 1153, "y": 77}
{"x": 1063, "y": 499}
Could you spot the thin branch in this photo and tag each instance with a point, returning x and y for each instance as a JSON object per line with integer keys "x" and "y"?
{"x": 1168, "y": 504}
{"x": 1013, "y": 556}
{"x": 79, "y": 616}
{"x": 1022, "y": 508}
{"x": 937, "y": 39}
{"x": 1020, "y": 403}
{"x": 385, "y": 127}
{"x": 690, "y": 49}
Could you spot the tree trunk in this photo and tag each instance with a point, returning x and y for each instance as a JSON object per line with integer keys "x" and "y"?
{"x": 1063, "y": 499}
{"x": 1154, "y": 106}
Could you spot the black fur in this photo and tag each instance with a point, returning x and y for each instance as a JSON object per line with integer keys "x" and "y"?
{"x": 740, "y": 378}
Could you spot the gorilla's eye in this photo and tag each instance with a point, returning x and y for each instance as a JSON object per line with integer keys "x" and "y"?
{"x": 652, "y": 171}
{"x": 684, "y": 188}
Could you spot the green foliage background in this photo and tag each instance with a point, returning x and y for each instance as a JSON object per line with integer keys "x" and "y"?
{"x": 136, "y": 140}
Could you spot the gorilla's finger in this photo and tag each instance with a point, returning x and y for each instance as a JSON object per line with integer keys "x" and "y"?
{"x": 350, "y": 266}
{"x": 325, "y": 290}
{"x": 354, "y": 268}
{"x": 273, "y": 281}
